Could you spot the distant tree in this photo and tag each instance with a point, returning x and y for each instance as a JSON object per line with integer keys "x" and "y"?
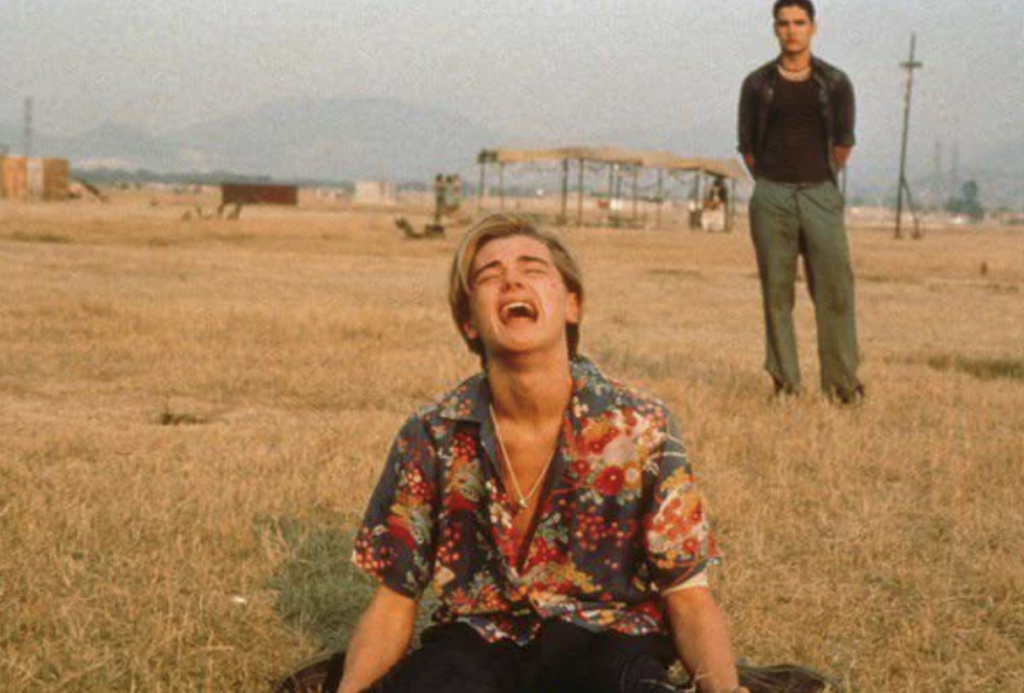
{"x": 967, "y": 202}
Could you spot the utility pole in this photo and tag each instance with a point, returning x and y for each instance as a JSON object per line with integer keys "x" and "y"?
{"x": 903, "y": 186}
{"x": 28, "y": 128}
{"x": 954, "y": 170}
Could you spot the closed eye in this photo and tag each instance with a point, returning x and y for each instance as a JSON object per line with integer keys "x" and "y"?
{"x": 486, "y": 276}
{"x": 534, "y": 265}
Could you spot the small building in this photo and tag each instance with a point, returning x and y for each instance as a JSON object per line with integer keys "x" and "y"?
{"x": 14, "y": 171}
{"x": 34, "y": 178}
{"x": 380, "y": 193}
{"x": 259, "y": 194}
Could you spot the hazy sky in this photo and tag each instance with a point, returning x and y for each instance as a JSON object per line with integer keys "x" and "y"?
{"x": 550, "y": 70}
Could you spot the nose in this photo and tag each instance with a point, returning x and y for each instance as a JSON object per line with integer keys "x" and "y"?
{"x": 510, "y": 279}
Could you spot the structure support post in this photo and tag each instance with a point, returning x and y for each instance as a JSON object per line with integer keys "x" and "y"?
{"x": 636, "y": 191}
{"x": 579, "y": 197}
{"x": 661, "y": 196}
{"x": 611, "y": 190}
{"x": 730, "y": 207}
{"x": 695, "y": 208}
{"x": 501, "y": 183}
{"x": 480, "y": 187}
{"x": 564, "y": 216}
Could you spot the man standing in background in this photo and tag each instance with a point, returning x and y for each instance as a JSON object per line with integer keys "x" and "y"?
{"x": 796, "y": 123}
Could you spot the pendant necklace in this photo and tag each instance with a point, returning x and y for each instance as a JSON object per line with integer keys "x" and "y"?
{"x": 524, "y": 500}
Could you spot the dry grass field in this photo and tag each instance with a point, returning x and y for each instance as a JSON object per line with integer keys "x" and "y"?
{"x": 192, "y": 415}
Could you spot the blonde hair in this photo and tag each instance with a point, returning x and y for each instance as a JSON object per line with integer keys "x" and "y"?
{"x": 491, "y": 228}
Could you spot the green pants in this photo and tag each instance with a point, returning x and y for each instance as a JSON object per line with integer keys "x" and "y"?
{"x": 787, "y": 221}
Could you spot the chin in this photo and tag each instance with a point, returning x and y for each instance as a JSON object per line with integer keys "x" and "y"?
{"x": 521, "y": 347}
{"x": 516, "y": 348}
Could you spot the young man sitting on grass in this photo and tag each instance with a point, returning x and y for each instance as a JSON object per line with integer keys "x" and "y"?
{"x": 552, "y": 510}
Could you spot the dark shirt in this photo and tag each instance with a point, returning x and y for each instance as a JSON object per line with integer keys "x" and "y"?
{"x": 794, "y": 149}
{"x": 620, "y": 522}
{"x": 835, "y": 103}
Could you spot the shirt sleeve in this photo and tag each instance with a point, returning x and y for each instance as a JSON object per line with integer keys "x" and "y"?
{"x": 395, "y": 543}
{"x": 677, "y": 533}
{"x": 698, "y": 580}
{"x": 746, "y": 119}
{"x": 845, "y": 113}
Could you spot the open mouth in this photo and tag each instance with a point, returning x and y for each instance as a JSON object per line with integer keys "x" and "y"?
{"x": 517, "y": 310}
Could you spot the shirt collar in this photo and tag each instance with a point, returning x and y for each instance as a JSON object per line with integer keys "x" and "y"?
{"x": 592, "y": 394}
{"x": 817, "y": 66}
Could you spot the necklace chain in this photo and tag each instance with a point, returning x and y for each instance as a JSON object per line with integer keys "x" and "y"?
{"x": 524, "y": 500}
{"x": 805, "y": 68}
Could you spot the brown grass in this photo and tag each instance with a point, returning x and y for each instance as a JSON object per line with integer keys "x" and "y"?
{"x": 193, "y": 414}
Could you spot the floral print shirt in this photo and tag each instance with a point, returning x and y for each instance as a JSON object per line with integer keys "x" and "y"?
{"x": 620, "y": 520}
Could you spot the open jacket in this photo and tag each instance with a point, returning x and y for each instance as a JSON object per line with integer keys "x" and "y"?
{"x": 836, "y": 101}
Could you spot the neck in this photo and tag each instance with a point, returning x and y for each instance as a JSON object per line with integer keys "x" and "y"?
{"x": 795, "y": 62}
{"x": 530, "y": 390}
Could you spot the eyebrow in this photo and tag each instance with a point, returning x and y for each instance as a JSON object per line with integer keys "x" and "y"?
{"x": 522, "y": 259}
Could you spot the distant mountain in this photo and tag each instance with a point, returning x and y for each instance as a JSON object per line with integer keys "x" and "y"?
{"x": 340, "y": 138}
{"x": 705, "y": 137}
{"x": 114, "y": 145}
{"x": 998, "y": 172}
{"x": 335, "y": 139}
{"x": 350, "y": 138}
{"x": 109, "y": 145}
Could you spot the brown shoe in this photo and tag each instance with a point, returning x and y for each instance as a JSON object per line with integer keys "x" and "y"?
{"x": 784, "y": 392}
{"x": 848, "y": 398}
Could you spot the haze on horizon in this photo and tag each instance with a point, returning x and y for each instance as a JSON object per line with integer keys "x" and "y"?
{"x": 545, "y": 72}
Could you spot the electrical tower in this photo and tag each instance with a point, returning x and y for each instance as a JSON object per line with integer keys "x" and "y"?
{"x": 904, "y": 186}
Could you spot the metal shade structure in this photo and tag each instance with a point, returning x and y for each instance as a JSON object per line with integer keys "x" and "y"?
{"x": 634, "y": 160}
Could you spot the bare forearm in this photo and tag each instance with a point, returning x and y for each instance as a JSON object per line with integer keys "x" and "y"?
{"x": 748, "y": 159}
{"x": 702, "y": 640}
{"x": 842, "y": 155}
{"x": 379, "y": 641}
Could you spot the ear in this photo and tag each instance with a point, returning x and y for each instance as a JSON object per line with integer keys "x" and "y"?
{"x": 573, "y": 309}
{"x": 470, "y": 331}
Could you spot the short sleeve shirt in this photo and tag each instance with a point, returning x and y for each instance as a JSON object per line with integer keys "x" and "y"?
{"x": 620, "y": 521}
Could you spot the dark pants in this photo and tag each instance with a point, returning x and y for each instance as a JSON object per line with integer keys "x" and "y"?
{"x": 787, "y": 221}
{"x": 563, "y": 659}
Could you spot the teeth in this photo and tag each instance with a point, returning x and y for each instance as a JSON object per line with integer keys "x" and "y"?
{"x": 517, "y": 309}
